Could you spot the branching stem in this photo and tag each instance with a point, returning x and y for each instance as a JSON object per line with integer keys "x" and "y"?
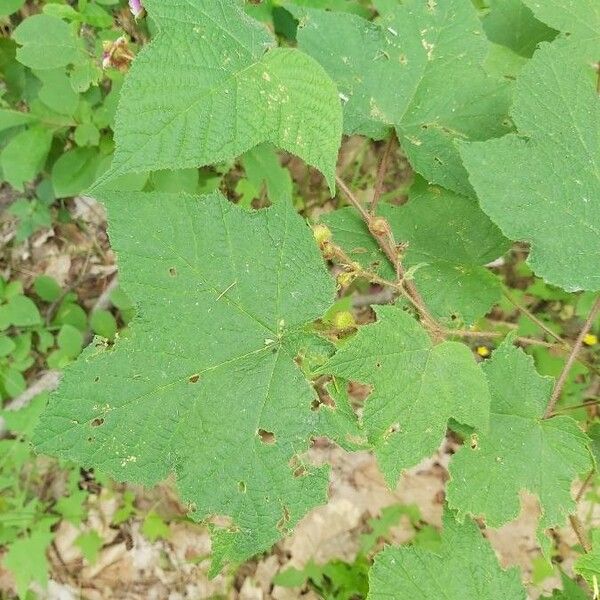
{"x": 560, "y": 382}
{"x": 381, "y": 233}
{"x": 383, "y": 166}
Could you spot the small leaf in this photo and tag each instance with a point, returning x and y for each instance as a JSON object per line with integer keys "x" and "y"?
{"x": 26, "y": 560}
{"x": 103, "y": 323}
{"x": 24, "y": 156}
{"x": 70, "y": 341}
{"x": 588, "y": 565}
{"x": 90, "y": 544}
{"x": 75, "y": 171}
{"x": 155, "y": 528}
{"x": 47, "y": 288}
{"x": 23, "y": 312}
{"x": 47, "y": 43}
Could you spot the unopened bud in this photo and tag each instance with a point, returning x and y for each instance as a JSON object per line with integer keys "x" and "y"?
{"x": 344, "y": 320}
{"x": 322, "y": 233}
{"x": 136, "y": 7}
{"x": 379, "y": 227}
{"x": 345, "y": 279}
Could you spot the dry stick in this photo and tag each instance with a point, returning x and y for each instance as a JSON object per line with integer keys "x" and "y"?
{"x": 406, "y": 287}
{"x": 560, "y": 383}
{"x": 535, "y": 320}
{"x": 576, "y": 407}
{"x": 547, "y": 329}
{"x": 383, "y": 166}
{"x": 496, "y": 334}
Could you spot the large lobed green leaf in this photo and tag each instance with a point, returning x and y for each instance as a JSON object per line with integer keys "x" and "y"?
{"x": 417, "y": 388}
{"x": 464, "y": 568}
{"x": 419, "y": 69}
{"x": 206, "y": 372}
{"x": 543, "y": 185}
{"x": 520, "y": 451}
{"x": 211, "y": 86}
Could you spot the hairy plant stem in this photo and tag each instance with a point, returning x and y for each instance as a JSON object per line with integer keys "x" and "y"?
{"x": 562, "y": 379}
{"x": 383, "y": 166}
{"x": 535, "y": 320}
{"x": 381, "y": 233}
{"x": 527, "y": 341}
{"x": 579, "y": 530}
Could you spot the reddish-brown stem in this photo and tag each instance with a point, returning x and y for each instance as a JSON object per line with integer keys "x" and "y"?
{"x": 535, "y": 320}
{"x": 382, "y": 235}
{"x": 578, "y": 528}
{"x": 383, "y": 166}
{"x": 562, "y": 379}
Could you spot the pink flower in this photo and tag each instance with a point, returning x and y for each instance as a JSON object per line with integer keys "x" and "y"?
{"x": 136, "y": 8}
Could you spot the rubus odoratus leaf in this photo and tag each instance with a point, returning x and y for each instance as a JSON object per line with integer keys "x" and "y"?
{"x": 521, "y": 451}
{"x": 205, "y": 384}
{"x": 417, "y": 388}
{"x": 211, "y": 86}
{"x": 542, "y": 185}
{"x": 465, "y": 566}
{"x": 418, "y": 69}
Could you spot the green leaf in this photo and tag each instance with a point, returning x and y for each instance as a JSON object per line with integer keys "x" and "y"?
{"x": 103, "y": 323}
{"x": 24, "y": 156}
{"x": 56, "y": 91}
{"x": 419, "y": 69}
{"x": 580, "y": 18}
{"x": 542, "y": 186}
{"x": 227, "y": 92}
{"x": 86, "y": 134}
{"x": 571, "y": 590}
{"x": 8, "y": 7}
{"x": 262, "y": 166}
{"x": 90, "y": 544}
{"x": 13, "y": 118}
{"x": 6, "y": 345}
{"x": 229, "y": 291}
{"x": 465, "y": 566}
{"x": 69, "y": 313}
{"x": 24, "y": 420}
{"x": 588, "y": 565}
{"x": 47, "y": 288}
{"x": 26, "y": 560}
{"x": 75, "y": 171}
{"x": 521, "y": 451}
{"x": 154, "y": 527}
{"x": 417, "y": 387}
{"x": 47, "y": 42}
{"x": 449, "y": 239}
{"x": 73, "y": 508}
{"x": 510, "y": 23}
{"x": 13, "y": 382}
{"x": 23, "y": 312}
{"x": 70, "y": 341}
